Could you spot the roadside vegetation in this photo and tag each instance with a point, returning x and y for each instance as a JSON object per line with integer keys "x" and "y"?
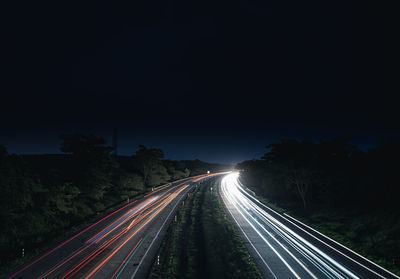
{"x": 46, "y": 197}
{"x": 203, "y": 243}
{"x": 343, "y": 192}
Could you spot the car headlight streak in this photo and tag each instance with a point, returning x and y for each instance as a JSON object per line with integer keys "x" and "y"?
{"x": 270, "y": 229}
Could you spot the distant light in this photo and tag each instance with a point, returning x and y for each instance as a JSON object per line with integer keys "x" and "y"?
{"x": 208, "y": 172}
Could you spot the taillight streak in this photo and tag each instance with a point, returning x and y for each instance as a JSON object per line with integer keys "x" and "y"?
{"x": 134, "y": 216}
{"x": 130, "y": 217}
{"x": 122, "y": 219}
{"x": 165, "y": 203}
{"x": 126, "y": 260}
{"x": 68, "y": 240}
{"x": 83, "y": 263}
{"x": 99, "y": 250}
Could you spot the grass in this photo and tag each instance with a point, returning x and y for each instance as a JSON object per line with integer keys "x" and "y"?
{"x": 373, "y": 235}
{"x": 203, "y": 243}
{"x": 62, "y": 234}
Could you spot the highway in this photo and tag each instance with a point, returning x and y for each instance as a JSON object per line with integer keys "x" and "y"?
{"x": 283, "y": 247}
{"x": 122, "y": 244}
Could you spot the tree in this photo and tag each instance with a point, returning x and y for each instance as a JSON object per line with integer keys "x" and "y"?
{"x": 148, "y": 162}
{"x": 19, "y": 189}
{"x": 130, "y": 184}
{"x": 63, "y": 198}
{"x": 92, "y": 166}
{"x": 159, "y": 175}
{"x": 297, "y": 162}
{"x": 132, "y": 181}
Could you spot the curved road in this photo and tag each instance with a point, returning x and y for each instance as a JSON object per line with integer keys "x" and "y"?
{"x": 286, "y": 248}
{"x": 123, "y": 244}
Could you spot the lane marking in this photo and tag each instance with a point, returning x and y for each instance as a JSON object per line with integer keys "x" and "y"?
{"x": 138, "y": 219}
{"x": 68, "y": 240}
{"x": 162, "y": 226}
{"x": 166, "y": 203}
{"x": 255, "y": 249}
{"x": 320, "y": 240}
{"x": 273, "y": 249}
{"x": 86, "y": 229}
{"x": 341, "y": 246}
{"x": 130, "y": 256}
{"x": 296, "y": 239}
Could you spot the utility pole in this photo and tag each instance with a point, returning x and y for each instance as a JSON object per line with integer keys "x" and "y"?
{"x": 115, "y": 144}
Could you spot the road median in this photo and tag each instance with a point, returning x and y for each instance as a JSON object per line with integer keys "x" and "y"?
{"x": 202, "y": 242}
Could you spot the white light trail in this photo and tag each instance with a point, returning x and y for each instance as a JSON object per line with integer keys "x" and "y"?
{"x": 258, "y": 219}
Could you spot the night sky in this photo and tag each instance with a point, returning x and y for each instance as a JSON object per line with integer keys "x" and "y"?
{"x": 213, "y": 80}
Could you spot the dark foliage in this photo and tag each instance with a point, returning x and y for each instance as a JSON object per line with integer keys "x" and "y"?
{"x": 43, "y": 196}
{"x": 203, "y": 242}
{"x": 330, "y": 173}
{"x": 342, "y": 190}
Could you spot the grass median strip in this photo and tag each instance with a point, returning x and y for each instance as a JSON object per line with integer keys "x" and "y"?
{"x": 203, "y": 243}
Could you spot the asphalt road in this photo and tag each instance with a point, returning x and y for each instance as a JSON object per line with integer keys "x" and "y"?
{"x": 283, "y": 247}
{"x": 122, "y": 244}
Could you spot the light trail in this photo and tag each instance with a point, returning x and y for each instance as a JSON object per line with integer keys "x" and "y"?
{"x": 94, "y": 247}
{"x": 155, "y": 204}
{"x": 121, "y": 220}
{"x": 291, "y": 245}
{"x": 126, "y": 260}
{"x": 82, "y": 264}
{"x": 231, "y": 197}
{"x": 156, "y": 236}
{"x": 142, "y": 207}
{"x": 83, "y": 249}
{"x": 69, "y": 240}
{"x": 167, "y": 202}
{"x": 293, "y": 222}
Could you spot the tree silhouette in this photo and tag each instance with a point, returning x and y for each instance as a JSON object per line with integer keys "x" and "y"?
{"x": 148, "y": 162}
{"x": 92, "y": 166}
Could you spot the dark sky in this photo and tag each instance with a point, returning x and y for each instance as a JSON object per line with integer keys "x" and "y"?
{"x": 214, "y": 80}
